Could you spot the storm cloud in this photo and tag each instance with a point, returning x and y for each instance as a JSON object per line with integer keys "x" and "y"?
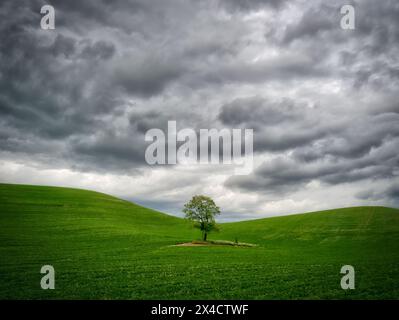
{"x": 322, "y": 101}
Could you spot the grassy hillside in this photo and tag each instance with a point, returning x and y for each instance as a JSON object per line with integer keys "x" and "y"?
{"x": 102, "y": 247}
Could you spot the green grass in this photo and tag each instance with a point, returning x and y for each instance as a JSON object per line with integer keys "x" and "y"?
{"x": 105, "y": 248}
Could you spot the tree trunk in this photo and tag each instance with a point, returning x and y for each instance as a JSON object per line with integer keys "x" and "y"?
{"x": 205, "y": 234}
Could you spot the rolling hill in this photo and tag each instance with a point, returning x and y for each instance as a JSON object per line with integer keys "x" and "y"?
{"x": 103, "y": 247}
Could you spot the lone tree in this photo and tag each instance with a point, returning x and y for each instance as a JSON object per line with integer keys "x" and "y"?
{"x": 202, "y": 210}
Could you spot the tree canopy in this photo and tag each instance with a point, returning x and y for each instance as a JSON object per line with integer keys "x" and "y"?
{"x": 202, "y": 210}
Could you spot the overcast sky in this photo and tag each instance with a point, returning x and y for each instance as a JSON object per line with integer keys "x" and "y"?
{"x": 75, "y": 102}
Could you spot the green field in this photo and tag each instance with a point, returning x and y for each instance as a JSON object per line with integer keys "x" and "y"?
{"x": 105, "y": 248}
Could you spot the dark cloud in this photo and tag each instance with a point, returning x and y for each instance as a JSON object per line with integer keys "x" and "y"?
{"x": 313, "y": 23}
{"x": 389, "y": 195}
{"x": 257, "y": 112}
{"x": 65, "y": 86}
{"x": 332, "y": 150}
{"x": 393, "y": 192}
{"x": 109, "y": 152}
{"x": 251, "y": 5}
{"x": 290, "y": 68}
{"x": 322, "y": 101}
{"x": 147, "y": 76}
{"x": 100, "y": 49}
{"x": 63, "y": 45}
{"x": 367, "y": 52}
{"x": 284, "y": 175}
{"x": 354, "y": 139}
{"x": 279, "y": 125}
